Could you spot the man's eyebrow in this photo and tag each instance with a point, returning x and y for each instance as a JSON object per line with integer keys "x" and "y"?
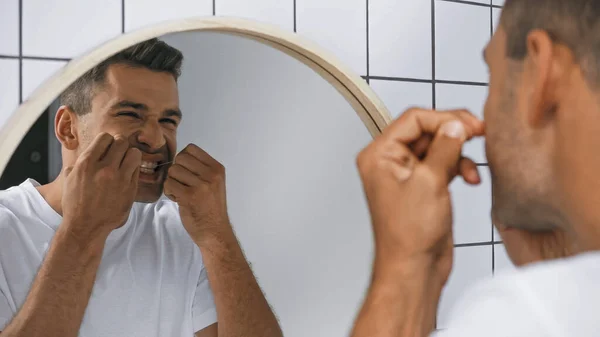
{"x": 173, "y": 113}
{"x": 130, "y": 104}
{"x": 141, "y": 106}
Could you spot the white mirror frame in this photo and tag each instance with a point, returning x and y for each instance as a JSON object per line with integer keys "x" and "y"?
{"x": 355, "y": 90}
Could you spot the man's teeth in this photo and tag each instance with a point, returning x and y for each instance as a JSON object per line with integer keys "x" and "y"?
{"x": 149, "y": 165}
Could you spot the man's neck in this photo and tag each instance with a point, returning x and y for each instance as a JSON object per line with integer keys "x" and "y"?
{"x": 52, "y": 193}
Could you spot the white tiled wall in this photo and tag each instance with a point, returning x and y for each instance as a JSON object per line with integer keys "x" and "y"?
{"x": 414, "y": 53}
{"x": 9, "y": 87}
{"x": 470, "y": 264}
{"x": 461, "y": 32}
{"x": 400, "y": 38}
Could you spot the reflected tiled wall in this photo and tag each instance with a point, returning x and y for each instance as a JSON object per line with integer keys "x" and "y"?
{"x": 413, "y": 53}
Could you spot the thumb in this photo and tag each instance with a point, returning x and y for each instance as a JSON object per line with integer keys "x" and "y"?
{"x": 444, "y": 152}
{"x": 68, "y": 170}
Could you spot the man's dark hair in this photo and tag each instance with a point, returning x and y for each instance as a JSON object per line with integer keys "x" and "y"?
{"x": 574, "y": 23}
{"x": 152, "y": 54}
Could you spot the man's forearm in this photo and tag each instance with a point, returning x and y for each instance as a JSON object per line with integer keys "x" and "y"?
{"x": 60, "y": 293}
{"x": 241, "y": 306}
{"x": 401, "y": 302}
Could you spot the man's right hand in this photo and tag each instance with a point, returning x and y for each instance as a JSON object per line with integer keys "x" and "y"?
{"x": 101, "y": 187}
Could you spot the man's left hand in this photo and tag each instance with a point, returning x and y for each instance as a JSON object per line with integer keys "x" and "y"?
{"x": 196, "y": 182}
{"x": 405, "y": 174}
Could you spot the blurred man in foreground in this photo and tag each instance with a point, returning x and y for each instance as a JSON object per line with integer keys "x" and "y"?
{"x": 542, "y": 129}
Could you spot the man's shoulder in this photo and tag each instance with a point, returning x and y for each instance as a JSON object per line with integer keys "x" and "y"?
{"x": 13, "y": 201}
{"x": 13, "y": 205}
{"x": 13, "y": 197}
{"x": 546, "y": 275}
{"x": 559, "y": 295}
{"x": 547, "y": 280}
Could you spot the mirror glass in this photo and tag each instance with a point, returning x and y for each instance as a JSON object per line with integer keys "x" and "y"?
{"x": 288, "y": 140}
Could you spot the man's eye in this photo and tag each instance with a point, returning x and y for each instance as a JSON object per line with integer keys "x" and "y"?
{"x": 129, "y": 114}
{"x": 169, "y": 120}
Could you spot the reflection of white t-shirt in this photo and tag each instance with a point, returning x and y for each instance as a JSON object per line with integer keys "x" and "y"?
{"x": 151, "y": 280}
{"x": 550, "y": 299}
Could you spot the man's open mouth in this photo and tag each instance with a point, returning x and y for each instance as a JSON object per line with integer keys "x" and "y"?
{"x": 150, "y": 167}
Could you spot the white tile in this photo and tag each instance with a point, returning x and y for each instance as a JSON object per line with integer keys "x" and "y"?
{"x": 35, "y": 72}
{"x": 496, "y": 17}
{"x": 140, "y": 13}
{"x": 458, "y": 47}
{"x": 399, "y": 96}
{"x": 68, "y": 28}
{"x": 9, "y": 87}
{"x": 472, "y": 98}
{"x": 276, "y": 12}
{"x": 400, "y": 38}
{"x": 471, "y": 264}
{"x": 339, "y": 26}
{"x": 471, "y": 209}
{"x": 501, "y": 259}
{"x": 498, "y": 2}
{"x": 487, "y": 2}
{"x": 9, "y": 26}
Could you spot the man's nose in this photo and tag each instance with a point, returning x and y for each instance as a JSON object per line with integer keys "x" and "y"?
{"x": 151, "y": 135}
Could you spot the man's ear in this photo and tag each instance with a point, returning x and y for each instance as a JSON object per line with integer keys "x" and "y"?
{"x": 539, "y": 75}
{"x": 547, "y": 65}
{"x": 65, "y": 128}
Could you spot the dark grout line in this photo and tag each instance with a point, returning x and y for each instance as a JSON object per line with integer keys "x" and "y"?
{"x": 20, "y": 51}
{"x": 36, "y": 58}
{"x": 419, "y": 80}
{"x": 471, "y": 3}
{"x": 493, "y": 257}
{"x": 398, "y": 79}
{"x": 477, "y": 244}
{"x": 122, "y": 16}
{"x": 491, "y": 20}
{"x": 295, "y": 18}
{"x": 479, "y": 84}
{"x": 433, "y": 87}
{"x": 214, "y": 3}
{"x": 368, "y": 43}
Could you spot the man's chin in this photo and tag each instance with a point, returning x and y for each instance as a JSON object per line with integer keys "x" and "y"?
{"x": 149, "y": 193}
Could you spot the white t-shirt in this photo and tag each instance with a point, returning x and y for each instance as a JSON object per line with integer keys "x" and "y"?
{"x": 151, "y": 280}
{"x": 548, "y": 299}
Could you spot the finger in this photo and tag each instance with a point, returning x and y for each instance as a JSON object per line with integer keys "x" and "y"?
{"x": 380, "y": 155}
{"x": 420, "y": 146}
{"x": 135, "y": 178}
{"x": 468, "y": 170}
{"x": 68, "y": 170}
{"x": 173, "y": 189}
{"x": 445, "y": 150}
{"x": 131, "y": 162}
{"x": 183, "y": 175}
{"x": 98, "y": 147}
{"x": 416, "y": 122}
{"x": 476, "y": 126}
{"x": 116, "y": 153}
{"x": 191, "y": 163}
{"x": 200, "y": 154}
